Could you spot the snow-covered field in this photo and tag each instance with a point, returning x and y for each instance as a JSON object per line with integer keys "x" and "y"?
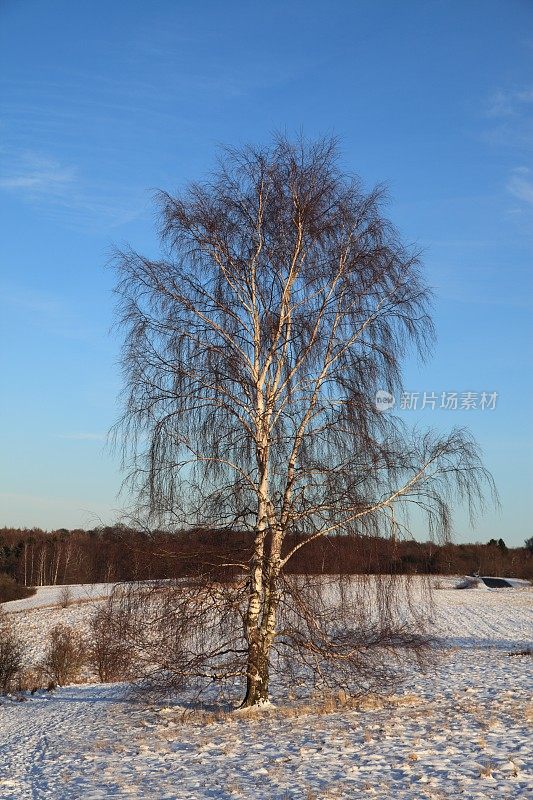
{"x": 463, "y": 730}
{"x": 52, "y": 596}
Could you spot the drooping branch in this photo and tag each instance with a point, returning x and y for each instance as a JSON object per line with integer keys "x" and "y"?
{"x": 254, "y": 349}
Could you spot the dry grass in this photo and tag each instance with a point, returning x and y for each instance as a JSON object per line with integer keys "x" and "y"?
{"x": 527, "y": 652}
{"x": 319, "y": 706}
{"x": 31, "y": 680}
{"x": 326, "y": 704}
{"x": 486, "y": 770}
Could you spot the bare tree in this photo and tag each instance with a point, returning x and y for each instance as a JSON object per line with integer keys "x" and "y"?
{"x": 254, "y": 348}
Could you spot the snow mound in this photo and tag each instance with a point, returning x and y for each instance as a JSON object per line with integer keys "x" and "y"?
{"x": 491, "y": 582}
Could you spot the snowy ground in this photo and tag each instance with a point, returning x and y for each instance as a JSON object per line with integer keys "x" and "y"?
{"x": 461, "y": 731}
{"x": 52, "y": 595}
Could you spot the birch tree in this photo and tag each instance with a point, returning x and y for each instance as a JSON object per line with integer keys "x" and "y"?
{"x": 254, "y": 347}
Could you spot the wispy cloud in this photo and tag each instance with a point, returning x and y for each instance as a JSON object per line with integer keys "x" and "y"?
{"x": 52, "y": 313}
{"x": 510, "y": 103}
{"x": 511, "y": 119}
{"x": 37, "y": 176}
{"x": 65, "y": 193}
{"x": 520, "y": 185}
{"x": 30, "y": 300}
{"x": 512, "y": 129}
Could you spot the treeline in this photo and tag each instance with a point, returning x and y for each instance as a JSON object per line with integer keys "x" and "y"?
{"x": 36, "y": 558}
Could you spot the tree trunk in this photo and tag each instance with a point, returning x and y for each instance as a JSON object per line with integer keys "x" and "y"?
{"x": 260, "y": 641}
{"x": 257, "y": 679}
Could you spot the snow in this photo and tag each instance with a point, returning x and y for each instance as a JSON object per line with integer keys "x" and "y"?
{"x": 492, "y": 618}
{"x": 462, "y": 730}
{"x": 51, "y": 595}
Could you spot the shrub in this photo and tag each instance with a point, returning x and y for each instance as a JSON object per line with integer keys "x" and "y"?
{"x": 11, "y": 655}
{"x": 111, "y": 648}
{"x": 65, "y": 597}
{"x": 65, "y": 656}
{"x": 11, "y": 590}
{"x": 31, "y": 679}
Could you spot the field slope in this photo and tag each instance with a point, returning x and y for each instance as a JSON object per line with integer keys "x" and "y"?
{"x": 463, "y": 730}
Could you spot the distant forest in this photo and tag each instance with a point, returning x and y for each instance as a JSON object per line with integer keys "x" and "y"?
{"x": 36, "y": 558}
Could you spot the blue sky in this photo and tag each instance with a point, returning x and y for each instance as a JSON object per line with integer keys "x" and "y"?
{"x": 102, "y": 103}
